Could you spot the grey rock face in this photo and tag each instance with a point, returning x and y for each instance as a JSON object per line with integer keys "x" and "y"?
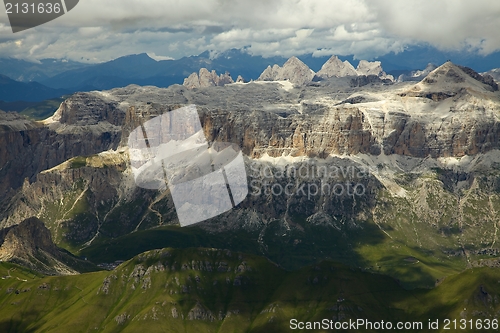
{"x": 486, "y": 78}
{"x": 207, "y": 79}
{"x": 266, "y": 119}
{"x": 270, "y": 73}
{"x": 293, "y": 70}
{"x": 299, "y": 74}
{"x": 83, "y": 125}
{"x": 369, "y": 68}
{"x": 372, "y": 68}
{"x": 334, "y": 67}
{"x": 30, "y": 244}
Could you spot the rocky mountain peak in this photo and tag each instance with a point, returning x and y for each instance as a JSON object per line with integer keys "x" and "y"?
{"x": 296, "y": 72}
{"x": 372, "y": 68}
{"x": 446, "y": 73}
{"x": 206, "y": 78}
{"x": 293, "y": 61}
{"x": 449, "y": 80}
{"x": 25, "y": 238}
{"x": 293, "y": 70}
{"x": 485, "y": 78}
{"x": 334, "y": 67}
{"x": 449, "y": 74}
{"x": 29, "y": 243}
{"x": 369, "y": 68}
{"x": 270, "y": 73}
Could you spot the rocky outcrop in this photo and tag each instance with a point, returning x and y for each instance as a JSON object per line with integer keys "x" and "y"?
{"x": 299, "y": 74}
{"x": 207, "y": 79}
{"x": 89, "y": 123}
{"x": 368, "y": 68}
{"x": 270, "y": 73}
{"x": 24, "y": 239}
{"x": 334, "y": 67}
{"x": 485, "y": 78}
{"x": 450, "y": 80}
{"x": 30, "y": 244}
{"x": 293, "y": 70}
{"x": 84, "y": 124}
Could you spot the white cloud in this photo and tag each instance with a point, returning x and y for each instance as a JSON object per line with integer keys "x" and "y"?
{"x": 448, "y": 24}
{"x": 99, "y": 30}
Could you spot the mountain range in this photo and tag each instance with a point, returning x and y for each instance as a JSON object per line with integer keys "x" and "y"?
{"x": 431, "y": 148}
{"x": 70, "y": 76}
{"x": 12, "y": 91}
{"x": 212, "y": 290}
{"x": 391, "y": 205}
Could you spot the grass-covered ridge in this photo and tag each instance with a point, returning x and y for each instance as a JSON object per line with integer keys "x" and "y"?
{"x": 44, "y": 109}
{"x": 202, "y": 290}
{"x": 366, "y": 248}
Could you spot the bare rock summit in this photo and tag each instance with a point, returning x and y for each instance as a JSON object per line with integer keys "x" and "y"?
{"x": 293, "y": 70}
{"x": 207, "y": 79}
{"x": 334, "y": 67}
{"x": 373, "y": 68}
{"x": 449, "y": 80}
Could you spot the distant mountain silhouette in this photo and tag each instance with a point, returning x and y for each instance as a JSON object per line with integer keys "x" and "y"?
{"x": 11, "y": 90}
{"x": 26, "y": 71}
{"x": 142, "y": 70}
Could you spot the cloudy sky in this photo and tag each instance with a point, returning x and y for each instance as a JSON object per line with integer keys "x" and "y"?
{"x": 100, "y": 30}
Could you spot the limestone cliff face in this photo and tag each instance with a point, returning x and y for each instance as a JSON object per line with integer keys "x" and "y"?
{"x": 299, "y": 74}
{"x": 368, "y": 68}
{"x": 451, "y": 112}
{"x": 341, "y": 130}
{"x": 270, "y": 73}
{"x": 81, "y": 197}
{"x": 83, "y": 125}
{"x": 86, "y": 109}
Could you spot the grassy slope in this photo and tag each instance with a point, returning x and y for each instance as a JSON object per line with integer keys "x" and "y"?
{"x": 208, "y": 300}
{"x": 44, "y": 109}
{"x": 365, "y": 249}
